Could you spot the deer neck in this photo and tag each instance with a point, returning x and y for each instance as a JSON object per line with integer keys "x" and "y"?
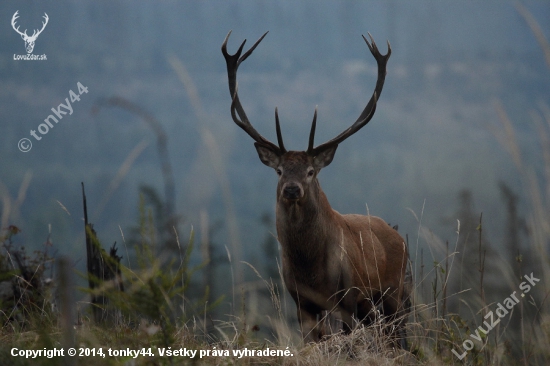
{"x": 302, "y": 229}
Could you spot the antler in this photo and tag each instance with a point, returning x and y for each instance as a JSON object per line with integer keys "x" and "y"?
{"x": 13, "y": 19}
{"x": 367, "y": 113}
{"x": 233, "y": 62}
{"x": 35, "y": 34}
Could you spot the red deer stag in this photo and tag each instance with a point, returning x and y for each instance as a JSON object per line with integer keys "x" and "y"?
{"x": 331, "y": 262}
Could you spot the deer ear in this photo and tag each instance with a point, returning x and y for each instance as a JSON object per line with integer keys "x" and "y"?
{"x": 324, "y": 158}
{"x": 267, "y": 155}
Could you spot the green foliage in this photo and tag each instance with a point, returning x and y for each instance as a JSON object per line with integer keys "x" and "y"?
{"x": 25, "y": 299}
{"x": 156, "y": 291}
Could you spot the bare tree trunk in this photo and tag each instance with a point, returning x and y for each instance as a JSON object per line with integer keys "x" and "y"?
{"x": 101, "y": 268}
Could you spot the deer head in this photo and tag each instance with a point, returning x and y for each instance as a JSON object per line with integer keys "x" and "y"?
{"x": 29, "y": 40}
{"x": 297, "y": 170}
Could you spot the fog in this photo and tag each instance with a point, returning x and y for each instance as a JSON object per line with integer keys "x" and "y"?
{"x": 435, "y": 131}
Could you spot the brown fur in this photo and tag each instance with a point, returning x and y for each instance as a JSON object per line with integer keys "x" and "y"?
{"x": 333, "y": 262}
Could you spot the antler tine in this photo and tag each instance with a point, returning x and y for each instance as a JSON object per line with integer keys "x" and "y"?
{"x": 249, "y": 52}
{"x": 279, "y": 134}
{"x": 233, "y": 62}
{"x": 370, "y": 108}
{"x": 14, "y": 20}
{"x": 312, "y": 132}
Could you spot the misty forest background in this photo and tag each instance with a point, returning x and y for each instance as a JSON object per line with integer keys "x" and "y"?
{"x": 430, "y": 154}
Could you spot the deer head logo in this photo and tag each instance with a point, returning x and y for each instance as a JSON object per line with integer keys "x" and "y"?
{"x": 29, "y": 40}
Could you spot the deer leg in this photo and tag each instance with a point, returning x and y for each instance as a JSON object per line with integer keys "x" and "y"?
{"x": 309, "y": 323}
{"x": 365, "y": 312}
{"x": 396, "y": 313}
{"x": 366, "y": 308}
{"x": 348, "y": 309}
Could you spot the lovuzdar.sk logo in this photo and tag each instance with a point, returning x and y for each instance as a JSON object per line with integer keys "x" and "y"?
{"x": 29, "y": 40}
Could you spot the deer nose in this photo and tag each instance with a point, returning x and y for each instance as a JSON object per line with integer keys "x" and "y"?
{"x": 291, "y": 192}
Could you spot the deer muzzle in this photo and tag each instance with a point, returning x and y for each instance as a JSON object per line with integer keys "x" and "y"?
{"x": 292, "y": 191}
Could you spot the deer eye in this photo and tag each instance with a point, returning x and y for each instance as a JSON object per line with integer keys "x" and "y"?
{"x": 310, "y": 172}
{"x": 279, "y": 172}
